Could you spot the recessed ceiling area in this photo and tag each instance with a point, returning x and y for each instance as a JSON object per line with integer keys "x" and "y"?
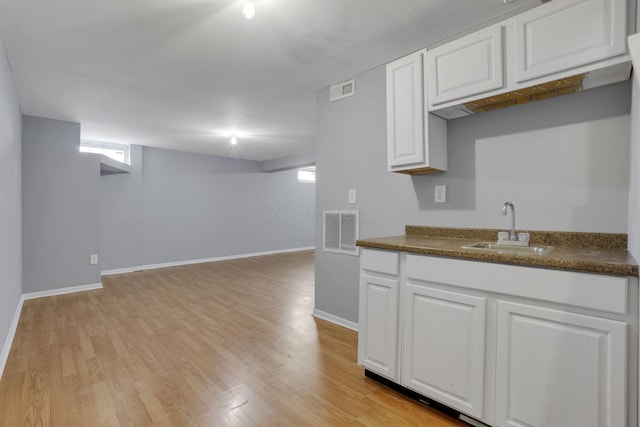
{"x": 188, "y": 74}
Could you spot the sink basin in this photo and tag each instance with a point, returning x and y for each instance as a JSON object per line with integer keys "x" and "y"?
{"x": 508, "y": 249}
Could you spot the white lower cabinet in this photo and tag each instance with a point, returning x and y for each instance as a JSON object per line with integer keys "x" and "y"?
{"x": 378, "y": 334}
{"x": 443, "y": 346}
{"x": 378, "y": 315}
{"x": 507, "y": 345}
{"x": 559, "y": 369}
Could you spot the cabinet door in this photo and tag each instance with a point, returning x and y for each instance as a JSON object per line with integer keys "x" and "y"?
{"x": 378, "y": 325}
{"x": 443, "y": 350}
{"x": 465, "y": 67}
{"x": 561, "y": 35}
{"x": 405, "y": 111}
{"x": 559, "y": 369}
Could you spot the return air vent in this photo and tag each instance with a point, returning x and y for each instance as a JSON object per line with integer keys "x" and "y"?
{"x": 341, "y": 232}
{"x": 342, "y": 90}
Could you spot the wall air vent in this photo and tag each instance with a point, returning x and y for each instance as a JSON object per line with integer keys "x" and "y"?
{"x": 341, "y": 232}
{"x": 342, "y": 90}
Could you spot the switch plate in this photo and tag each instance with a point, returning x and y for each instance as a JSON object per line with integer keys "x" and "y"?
{"x": 440, "y": 194}
{"x": 352, "y": 196}
{"x": 94, "y": 259}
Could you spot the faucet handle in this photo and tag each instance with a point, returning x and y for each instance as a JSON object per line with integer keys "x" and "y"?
{"x": 523, "y": 237}
{"x": 503, "y": 235}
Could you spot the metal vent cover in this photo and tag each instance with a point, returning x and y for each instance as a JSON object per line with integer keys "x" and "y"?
{"x": 341, "y": 229}
{"x": 342, "y": 90}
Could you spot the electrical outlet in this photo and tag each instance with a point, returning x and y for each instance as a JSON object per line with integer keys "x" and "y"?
{"x": 94, "y": 259}
{"x": 440, "y": 194}
{"x": 352, "y": 196}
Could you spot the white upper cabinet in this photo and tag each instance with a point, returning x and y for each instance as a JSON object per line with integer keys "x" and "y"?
{"x": 405, "y": 110}
{"x": 554, "y": 41}
{"x": 467, "y": 66}
{"x": 416, "y": 140}
{"x": 565, "y": 34}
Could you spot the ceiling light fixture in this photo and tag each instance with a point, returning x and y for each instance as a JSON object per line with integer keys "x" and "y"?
{"x": 249, "y": 10}
{"x": 234, "y": 140}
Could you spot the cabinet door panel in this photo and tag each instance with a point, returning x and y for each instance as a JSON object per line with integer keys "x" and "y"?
{"x": 465, "y": 67}
{"x": 561, "y": 35}
{"x": 559, "y": 369}
{"x": 405, "y": 111}
{"x": 378, "y": 325}
{"x": 443, "y": 347}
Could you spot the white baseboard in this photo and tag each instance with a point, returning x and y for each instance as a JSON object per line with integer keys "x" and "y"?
{"x": 335, "y": 319}
{"x": 6, "y": 348}
{"x": 4, "y": 355}
{"x": 119, "y": 271}
{"x": 61, "y": 291}
{"x": 202, "y": 260}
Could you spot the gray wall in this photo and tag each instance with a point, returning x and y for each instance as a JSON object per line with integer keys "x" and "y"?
{"x": 179, "y": 206}
{"x": 563, "y": 162}
{"x": 11, "y": 199}
{"x": 289, "y": 162}
{"x": 61, "y": 206}
{"x": 121, "y": 227}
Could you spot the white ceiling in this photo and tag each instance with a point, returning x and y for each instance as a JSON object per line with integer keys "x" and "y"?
{"x": 184, "y": 74}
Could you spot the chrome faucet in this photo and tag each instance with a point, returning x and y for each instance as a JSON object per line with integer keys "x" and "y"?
{"x": 512, "y": 234}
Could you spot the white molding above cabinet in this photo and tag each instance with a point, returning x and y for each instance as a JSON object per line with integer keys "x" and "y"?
{"x": 416, "y": 140}
{"x": 466, "y": 66}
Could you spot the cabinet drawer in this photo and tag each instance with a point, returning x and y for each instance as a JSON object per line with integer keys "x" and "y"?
{"x": 379, "y": 261}
{"x": 593, "y": 291}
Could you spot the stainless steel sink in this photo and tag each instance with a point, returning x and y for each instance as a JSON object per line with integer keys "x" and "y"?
{"x": 508, "y": 249}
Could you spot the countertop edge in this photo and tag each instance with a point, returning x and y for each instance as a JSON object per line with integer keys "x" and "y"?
{"x": 617, "y": 241}
{"x": 617, "y": 269}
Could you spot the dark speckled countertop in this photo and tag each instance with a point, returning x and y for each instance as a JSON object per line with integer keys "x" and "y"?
{"x": 588, "y": 252}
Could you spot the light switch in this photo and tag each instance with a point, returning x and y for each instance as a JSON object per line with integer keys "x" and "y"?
{"x": 440, "y": 194}
{"x": 352, "y": 196}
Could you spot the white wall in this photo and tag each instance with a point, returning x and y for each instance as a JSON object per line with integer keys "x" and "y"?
{"x": 61, "y": 207}
{"x": 10, "y": 202}
{"x": 634, "y": 180}
{"x": 563, "y": 162}
{"x": 179, "y": 206}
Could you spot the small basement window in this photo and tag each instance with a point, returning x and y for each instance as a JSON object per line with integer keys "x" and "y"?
{"x": 307, "y": 174}
{"x": 115, "y": 151}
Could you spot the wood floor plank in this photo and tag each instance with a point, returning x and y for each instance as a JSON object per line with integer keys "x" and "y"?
{"x": 229, "y": 343}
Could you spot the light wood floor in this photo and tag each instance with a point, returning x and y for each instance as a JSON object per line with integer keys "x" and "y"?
{"x": 216, "y": 344}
